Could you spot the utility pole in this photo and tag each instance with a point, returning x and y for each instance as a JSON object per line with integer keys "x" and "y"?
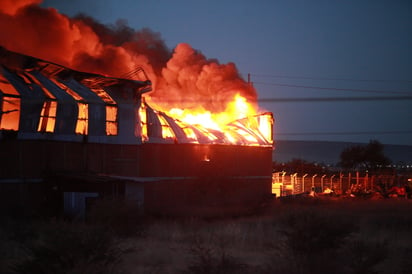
{"x": 250, "y": 83}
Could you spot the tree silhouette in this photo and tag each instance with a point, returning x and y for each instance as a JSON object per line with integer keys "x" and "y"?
{"x": 299, "y": 166}
{"x": 368, "y": 157}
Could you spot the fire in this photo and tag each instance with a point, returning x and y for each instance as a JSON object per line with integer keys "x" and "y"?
{"x": 10, "y": 106}
{"x": 239, "y": 123}
{"x": 187, "y": 86}
{"x": 236, "y": 109}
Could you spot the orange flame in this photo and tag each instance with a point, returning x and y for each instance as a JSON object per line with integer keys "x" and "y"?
{"x": 186, "y": 85}
{"x": 236, "y": 109}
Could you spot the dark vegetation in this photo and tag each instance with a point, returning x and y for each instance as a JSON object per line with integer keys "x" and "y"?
{"x": 297, "y": 236}
{"x": 301, "y": 166}
{"x": 294, "y": 235}
{"x": 369, "y": 157}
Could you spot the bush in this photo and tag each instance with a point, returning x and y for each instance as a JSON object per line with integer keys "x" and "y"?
{"x": 362, "y": 256}
{"x": 210, "y": 259}
{"x": 119, "y": 216}
{"x": 63, "y": 247}
{"x": 308, "y": 239}
{"x": 309, "y": 231}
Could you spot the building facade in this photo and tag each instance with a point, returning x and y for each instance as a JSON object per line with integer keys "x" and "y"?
{"x": 74, "y": 135}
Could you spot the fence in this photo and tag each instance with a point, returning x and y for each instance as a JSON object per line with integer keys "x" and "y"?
{"x": 289, "y": 184}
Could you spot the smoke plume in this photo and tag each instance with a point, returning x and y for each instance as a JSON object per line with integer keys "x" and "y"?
{"x": 181, "y": 77}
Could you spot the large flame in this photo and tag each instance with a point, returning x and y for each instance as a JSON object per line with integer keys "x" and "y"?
{"x": 186, "y": 85}
{"x": 237, "y": 108}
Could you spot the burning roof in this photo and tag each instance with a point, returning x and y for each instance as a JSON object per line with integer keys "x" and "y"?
{"x": 193, "y": 98}
{"x": 39, "y": 98}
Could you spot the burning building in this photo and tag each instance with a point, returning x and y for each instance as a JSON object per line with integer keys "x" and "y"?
{"x": 83, "y": 135}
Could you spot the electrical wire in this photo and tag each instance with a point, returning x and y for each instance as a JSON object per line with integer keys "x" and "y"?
{"x": 399, "y": 132}
{"x": 330, "y": 79}
{"x": 334, "y": 88}
{"x": 334, "y": 99}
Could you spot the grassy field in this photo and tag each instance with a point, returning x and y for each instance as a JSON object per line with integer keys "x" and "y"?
{"x": 290, "y": 236}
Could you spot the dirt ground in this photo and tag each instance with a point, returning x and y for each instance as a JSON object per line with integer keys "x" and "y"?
{"x": 293, "y": 235}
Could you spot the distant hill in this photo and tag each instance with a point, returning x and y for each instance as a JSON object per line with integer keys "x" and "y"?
{"x": 329, "y": 152}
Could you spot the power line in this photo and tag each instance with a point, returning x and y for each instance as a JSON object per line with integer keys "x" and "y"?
{"x": 333, "y": 99}
{"x": 346, "y": 133}
{"x": 334, "y": 88}
{"x": 330, "y": 79}
{"x": 292, "y": 99}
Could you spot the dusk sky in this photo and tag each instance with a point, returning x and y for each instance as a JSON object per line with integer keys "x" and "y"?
{"x": 328, "y": 70}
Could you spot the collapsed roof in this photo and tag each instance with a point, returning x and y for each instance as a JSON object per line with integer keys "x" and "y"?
{"x": 44, "y": 100}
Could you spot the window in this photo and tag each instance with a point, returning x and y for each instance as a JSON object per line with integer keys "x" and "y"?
{"x": 111, "y": 120}
{"x": 190, "y": 134}
{"x": 167, "y": 131}
{"x": 82, "y": 118}
{"x": 9, "y": 105}
{"x": 83, "y": 108}
{"x": 10, "y": 113}
{"x": 47, "y": 119}
{"x": 143, "y": 121}
{"x": 48, "y": 116}
{"x": 111, "y": 108}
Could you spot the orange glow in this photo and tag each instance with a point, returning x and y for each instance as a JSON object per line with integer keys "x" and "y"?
{"x": 236, "y": 109}
{"x": 111, "y": 120}
{"x": 82, "y": 120}
{"x": 204, "y": 96}
{"x": 6, "y": 87}
{"x": 83, "y": 108}
{"x": 48, "y": 117}
{"x": 239, "y": 123}
{"x": 10, "y": 113}
{"x": 266, "y": 126}
{"x": 143, "y": 122}
{"x": 111, "y": 106}
{"x": 12, "y": 6}
{"x": 167, "y": 132}
{"x": 190, "y": 134}
{"x": 10, "y": 105}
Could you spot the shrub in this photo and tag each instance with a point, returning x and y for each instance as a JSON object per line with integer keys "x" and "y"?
{"x": 309, "y": 239}
{"x": 64, "y": 247}
{"x": 315, "y": 232}
{"x": 362, "y": 257}
{"x": 119, "y": 216}
{"x": 210, "y": 259}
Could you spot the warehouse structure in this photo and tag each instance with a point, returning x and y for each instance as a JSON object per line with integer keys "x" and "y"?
{"x": 68, "y": 137}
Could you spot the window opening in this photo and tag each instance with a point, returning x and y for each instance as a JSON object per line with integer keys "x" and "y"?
{"x": 82, "y": 119}
{"x": 9, "y": 105}
{"x": 10, "y": 113}
{"x": 167, "y": 132}
{"x": 48, "y": 116}
{"x": 47, "y": 119}
{"x": 111, "y": 120}
{"x": 190, "y": 134}
{"x": 111, "y": 110}
{"x": 83, "y": 108}
{"x": 143, "y": 122}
